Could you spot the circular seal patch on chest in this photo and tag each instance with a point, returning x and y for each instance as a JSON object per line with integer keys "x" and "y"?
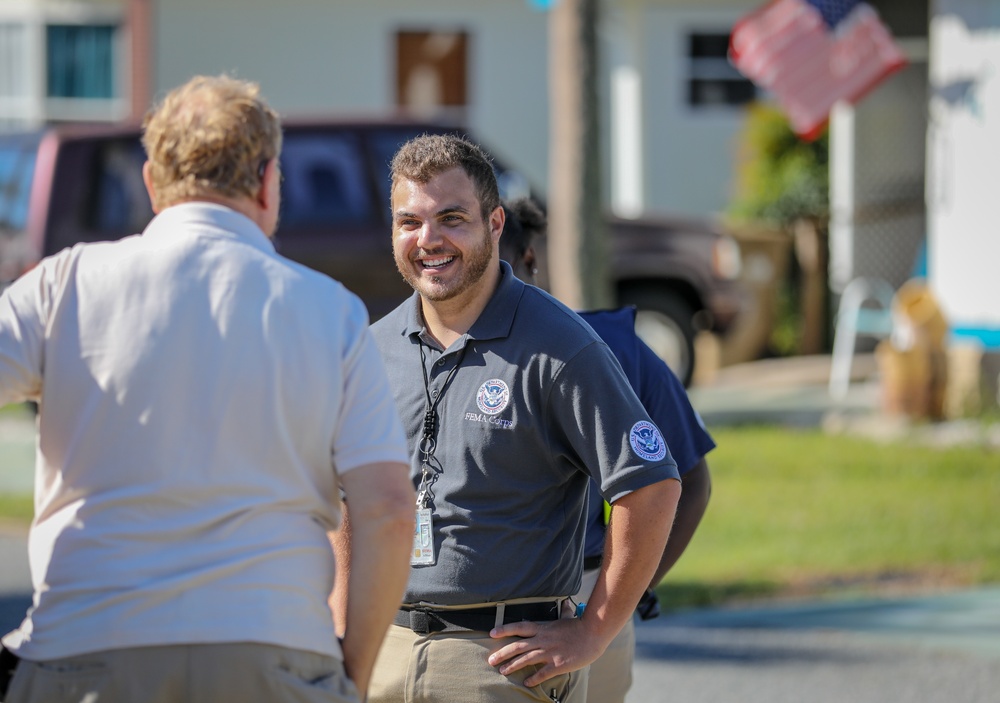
{"x": 493, "y": 396}
{"x": 647, "y": 442}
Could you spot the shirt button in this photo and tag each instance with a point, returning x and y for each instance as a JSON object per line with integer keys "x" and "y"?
{"x": 440, "y": 362}
{"x": 434, "y": 393}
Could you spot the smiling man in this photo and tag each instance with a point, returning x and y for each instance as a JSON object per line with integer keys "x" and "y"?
{"x": 511, "y": 403}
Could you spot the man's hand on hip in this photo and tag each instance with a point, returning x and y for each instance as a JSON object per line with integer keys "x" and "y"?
{"x": 558, "y": 647}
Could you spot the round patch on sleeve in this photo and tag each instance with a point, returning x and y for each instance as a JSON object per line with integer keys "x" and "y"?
{"x": 647, "y": 442}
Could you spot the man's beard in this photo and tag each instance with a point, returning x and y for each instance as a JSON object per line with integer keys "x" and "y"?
{"x": 475, "y": 264}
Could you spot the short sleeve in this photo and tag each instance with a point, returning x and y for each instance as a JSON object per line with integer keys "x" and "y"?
{"x": 369, "y": 430}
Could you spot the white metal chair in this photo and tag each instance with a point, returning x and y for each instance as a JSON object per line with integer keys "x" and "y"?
{"x": 854, "y": 319}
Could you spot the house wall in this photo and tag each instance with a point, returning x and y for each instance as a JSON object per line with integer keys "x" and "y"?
{"x": 316, "y": 55}
{"x": 312, "y": 56}
{"x": 963, "y": 143}
{"x": 690, "y": 152}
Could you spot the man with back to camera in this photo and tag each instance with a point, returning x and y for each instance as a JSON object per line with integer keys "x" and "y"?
{"x": 188, "y": 469}
{"x": 664, "y": 397}
{"x": 511, "y": 404}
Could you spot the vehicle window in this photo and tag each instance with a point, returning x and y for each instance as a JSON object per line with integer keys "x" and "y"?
{"x": 324, "y": 181}
{"x": 120, "y": 202}
{"x": 384, "y": 144}
{"x": 17, "y": 167}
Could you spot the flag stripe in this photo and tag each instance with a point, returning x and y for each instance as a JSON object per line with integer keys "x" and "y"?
{"x": 787, "y": 48}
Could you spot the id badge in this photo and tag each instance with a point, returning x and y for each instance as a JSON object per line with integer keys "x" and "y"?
{"x": 423, "y": 539}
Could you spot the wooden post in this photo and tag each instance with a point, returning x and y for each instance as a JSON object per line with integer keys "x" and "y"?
{"x": 140, "y": 18}
{"x": 578, "y": 262}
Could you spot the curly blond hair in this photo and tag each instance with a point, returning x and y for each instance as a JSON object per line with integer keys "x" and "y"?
{"x": 210, "y": 136}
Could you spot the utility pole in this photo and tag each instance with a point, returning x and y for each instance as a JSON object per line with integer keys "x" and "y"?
{"x": 577, "y": 258}
{"x": 139, "y": 20}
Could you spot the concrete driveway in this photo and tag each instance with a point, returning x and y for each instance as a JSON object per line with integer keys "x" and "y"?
{"x": 932, "y": 649}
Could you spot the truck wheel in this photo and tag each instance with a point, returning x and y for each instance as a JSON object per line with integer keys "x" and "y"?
{"x": 664, "y": 321}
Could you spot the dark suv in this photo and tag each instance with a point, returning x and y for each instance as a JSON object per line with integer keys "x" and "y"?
{"x": 68, "y": 184}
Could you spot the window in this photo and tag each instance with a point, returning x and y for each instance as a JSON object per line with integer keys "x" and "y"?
{"x": 324, "y": 181}
{"x": 712, "y": 80}
{"x": 431, "y": 70}
{"x": 120, "y": 202}
{"x": 17, "y": 167}
{"x": 384, "y": 143}
{"x": 80, "y": 61}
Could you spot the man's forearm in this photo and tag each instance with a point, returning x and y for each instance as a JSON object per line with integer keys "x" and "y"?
{"x": 697, "y": 488}
{"x": 375, "y": 551}
{"x": 637, "y": 534}
{"x": 341, "y": 543}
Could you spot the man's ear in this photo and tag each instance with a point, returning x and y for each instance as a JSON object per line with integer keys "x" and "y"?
{"x": 147, "y": 179}
{"x": 496, "y": 223}
{"x": 270, "y": 186}
{"x": 530, "y": 259}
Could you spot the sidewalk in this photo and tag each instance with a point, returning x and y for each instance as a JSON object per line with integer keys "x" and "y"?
{"x": 935, "y": 649}
{"x": 794, "y": 392}
{"x": 788, "y": 391}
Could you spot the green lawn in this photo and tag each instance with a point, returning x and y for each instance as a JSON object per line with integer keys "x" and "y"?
{"x": 16, "y": 509}
{"x": 800, "y": 510}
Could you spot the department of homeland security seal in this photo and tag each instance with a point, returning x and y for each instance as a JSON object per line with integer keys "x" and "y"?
{"x": 647, "y": 442}
{"x": 493, "y": 396}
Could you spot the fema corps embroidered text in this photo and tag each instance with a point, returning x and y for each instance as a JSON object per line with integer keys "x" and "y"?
{"x": 498, "y": 421}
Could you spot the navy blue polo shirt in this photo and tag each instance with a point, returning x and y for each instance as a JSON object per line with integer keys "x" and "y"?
{"x": 537, "y": 407}
{"x": 662, "y": 394}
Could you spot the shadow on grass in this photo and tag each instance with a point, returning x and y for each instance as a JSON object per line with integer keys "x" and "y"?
{"x": 679, "y": 595}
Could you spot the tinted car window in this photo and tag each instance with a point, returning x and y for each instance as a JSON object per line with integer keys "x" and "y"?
{"x": 324, "y": 181}
{"x": 120, "y": 202}
{"x": 384, "y": 144}
{"x": 17, "y": 166}
{"x": 100, "y": 194}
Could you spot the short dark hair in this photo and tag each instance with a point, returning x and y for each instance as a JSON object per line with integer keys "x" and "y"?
{"x": 424, "y": 157}
{"x": 524, "y": 221}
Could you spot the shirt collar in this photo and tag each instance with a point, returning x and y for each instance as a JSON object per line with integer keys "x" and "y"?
{"x": 203, "y": 218}
{"x": 496, "y": 319}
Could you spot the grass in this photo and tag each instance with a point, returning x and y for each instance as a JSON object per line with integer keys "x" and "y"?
{"x": 16, "y": 509}
{"x": 800, "y": 512}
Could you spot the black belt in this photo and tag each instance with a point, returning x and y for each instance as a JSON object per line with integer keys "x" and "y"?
{"x": 425, "y": 620}
{"x": 8, "y": 662}
{"x": 594, "y": 562}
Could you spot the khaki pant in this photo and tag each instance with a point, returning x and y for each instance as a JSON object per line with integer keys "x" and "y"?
{"x": 611, "y": 675}
{"x": 452, "y": 668}
{"x": 204, "y": 673}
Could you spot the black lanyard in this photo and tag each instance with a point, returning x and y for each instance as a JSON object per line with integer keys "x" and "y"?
{"x": 428, "y": 441}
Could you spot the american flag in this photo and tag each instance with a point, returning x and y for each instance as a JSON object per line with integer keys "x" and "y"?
{"x": 811, "y": 53}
